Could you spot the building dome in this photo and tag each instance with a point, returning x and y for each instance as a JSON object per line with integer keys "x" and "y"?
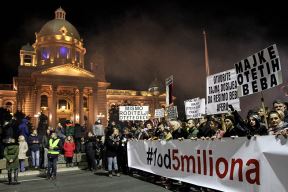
{"x": 58, "y": 42}
{"x": 59, "y": 26}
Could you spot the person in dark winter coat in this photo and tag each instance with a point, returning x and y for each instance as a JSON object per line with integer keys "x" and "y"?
{"x": 207, "y": 129}
{"x": 34, "y": 145}
{"x": 255, "y": 126}
{"x": 79, "y": 134}
{"x": 112, "y": 144}
{"x": 122, "y": 152}
{"x": 11, "y": 153}
{"x": 10, "y": 129}
{"x": 23, "y": 128}
{"x": 90, "y": 149}
{"x": 44, "y": 151}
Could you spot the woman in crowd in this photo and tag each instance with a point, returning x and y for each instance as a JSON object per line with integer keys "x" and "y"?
{"x": 112, "y": 144}
{"x": 90, "y": 149}
{"x": 255, "y": 126}
{"x": 276, "y": 123}
{"x": 34, "y": 145}
{"x": 23, "y": 148}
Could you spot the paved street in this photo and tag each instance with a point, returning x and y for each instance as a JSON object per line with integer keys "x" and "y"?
{"x": 80, "y": 181}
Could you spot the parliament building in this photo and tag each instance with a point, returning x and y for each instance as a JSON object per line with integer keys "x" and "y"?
{"x": 53, "y": 79}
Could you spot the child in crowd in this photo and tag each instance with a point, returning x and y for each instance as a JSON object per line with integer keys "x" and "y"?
{"x": 11, "y": 152}
{"x": 69, "y": 147}
{"x": 23, "y": 148}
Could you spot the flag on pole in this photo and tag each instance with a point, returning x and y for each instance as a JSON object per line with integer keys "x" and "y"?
{"x": 206, "y": 56}
{"x": 169, "y": 89}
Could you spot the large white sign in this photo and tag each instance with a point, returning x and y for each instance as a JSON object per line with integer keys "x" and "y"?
{"x": 221, "y": 92}
{"x": 133, "y": 113}
{"x": 259, "y": 71}
{"x": 227, "y": 165}
{"x": 194, "y": 108}
{"x": 159, "y": 113}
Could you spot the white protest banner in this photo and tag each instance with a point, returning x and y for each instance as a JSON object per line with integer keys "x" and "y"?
{"x": 227, "y": 165}
{"x": 172, "y": 112}
{"x": 221, "y": 91}
{"x": 159, "y": 113}
{"x": 133, "y": 113}
{"x": 169, "y": 89}
{"x": 194, "y": 108}
{"x": 259, "y": 71}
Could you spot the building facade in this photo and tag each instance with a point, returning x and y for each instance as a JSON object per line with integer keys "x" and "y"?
{"x": 52, "y": 79}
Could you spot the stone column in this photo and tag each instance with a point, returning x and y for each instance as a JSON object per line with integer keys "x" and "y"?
{"x": 95, "y": 106}
{"x": 81, "y": 113}
{"x": 102, "y": 104}
{"x": 91, "y": 108}
{"x": 75, "y": 105}
{"x": 53, "y": 108}
{"x": 38, "y": 102}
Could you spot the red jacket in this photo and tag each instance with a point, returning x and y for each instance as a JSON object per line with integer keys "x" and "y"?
{"x": 69, "y": 149}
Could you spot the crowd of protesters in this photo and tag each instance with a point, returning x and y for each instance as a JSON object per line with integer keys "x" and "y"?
{"x": 107, "y": 147}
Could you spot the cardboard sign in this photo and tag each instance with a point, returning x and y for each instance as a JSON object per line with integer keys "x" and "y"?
{"x": 222, "y": 92}
{"x": 159, "y": 113}
{"x": 172, "y": 112}
{"x": 259, "y": 71}
{"x": 133, "y": 113}
{"x": 194, "y": 108}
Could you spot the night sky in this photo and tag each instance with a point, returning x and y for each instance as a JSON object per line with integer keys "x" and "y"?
{"x": 141, "y": 40}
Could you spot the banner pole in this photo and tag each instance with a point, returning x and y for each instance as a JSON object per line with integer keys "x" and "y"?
{"x": 263, "y": 106}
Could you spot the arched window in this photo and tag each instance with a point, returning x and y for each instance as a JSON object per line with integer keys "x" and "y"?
{"x": 63, "y": 104}
{"x": 63, "y": 52}
{"x": 27, "y": 59}
{"x": 44, "y": 101}
{"x": 45, "y": 53}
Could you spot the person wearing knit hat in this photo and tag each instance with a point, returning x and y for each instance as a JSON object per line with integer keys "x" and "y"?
{"x": 255, "y": 126}
{"x": 11, "y": 153}
{"x": 231, "y": 118}
{"x": 229, "y": 126}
